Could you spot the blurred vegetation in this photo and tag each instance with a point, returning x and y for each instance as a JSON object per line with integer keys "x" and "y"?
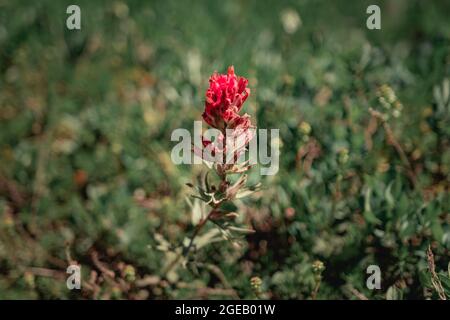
{"x": 85, "y": 170}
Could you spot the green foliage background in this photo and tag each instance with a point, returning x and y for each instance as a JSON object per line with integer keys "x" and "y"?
{"x": 85, "y": 170}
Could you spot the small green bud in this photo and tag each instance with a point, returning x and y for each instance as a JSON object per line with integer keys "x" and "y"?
{"x": 256, "y": 283}
{"x": 343, "y": 156}
{"x": 129, "y": 273}
{"x": 28, "y": 277}
{"x": 318, "y": 267}
{"x": 116, "y": 293}
{"x": 305, "y": 128}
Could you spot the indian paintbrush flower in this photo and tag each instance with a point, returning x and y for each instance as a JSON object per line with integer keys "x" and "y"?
{"x": 224, "y": 99}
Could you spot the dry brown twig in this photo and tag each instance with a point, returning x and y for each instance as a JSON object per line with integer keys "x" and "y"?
{"x": 12, "y": 190}
{"x": 357, "y": 294}
{"x": 221, "y": 276}
{"x": 147, "y": 281}
{"x": 434, "y": 277}
{"x": 392, "y": 140}
{"x": 307, "y": 154}
{"x": 101, "y": 266}
{"x": 48, "y": 273}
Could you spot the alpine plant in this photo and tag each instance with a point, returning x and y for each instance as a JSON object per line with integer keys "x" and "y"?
{"x": 226, "y": 177}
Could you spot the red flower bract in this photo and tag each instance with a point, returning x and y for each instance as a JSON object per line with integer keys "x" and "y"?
{"x": 224, "y": 99}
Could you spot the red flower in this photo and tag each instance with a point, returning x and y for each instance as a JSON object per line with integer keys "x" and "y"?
{"x": 224, "y": 98}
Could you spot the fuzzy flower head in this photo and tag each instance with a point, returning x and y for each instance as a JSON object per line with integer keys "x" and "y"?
{"x": 224, "y": 99}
